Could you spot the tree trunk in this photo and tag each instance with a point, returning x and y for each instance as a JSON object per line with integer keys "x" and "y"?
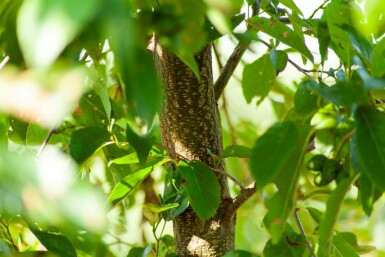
{"x": 190, "y": 125}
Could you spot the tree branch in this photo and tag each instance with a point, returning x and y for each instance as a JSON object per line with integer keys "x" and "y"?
{"x": 245, "y": 195}
{"x": 229, "y": 68}
{"x": 4, "y": 62}
{"x": 300, "y": 227}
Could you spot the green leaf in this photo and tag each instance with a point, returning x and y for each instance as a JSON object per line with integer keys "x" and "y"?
{"x": 202, "y": 187}
{"x": 279, "y": 59}
{"x": 360, "y": 43}
{"x": 141, "y": 144}
{"x": 84, "y": 142}
{"x": 336, "y": 14}
{"x": 129, "y": 182}
{"x": 306, "y": 102}
{"x": 344, "y": 93}
{"x": 281, "y": 32}
{"x": 341, "y": 248}
{"x": 240, "y": 253}
{"x": 378, "y": 56}
{"x": 127, "y": 159}
{"x": 4, "y": 126}
{"x": 159, "y": 208}
{"x": 258, "y": 77}
{"x": 333, "y": 207}
{"x": 273, "y": 151}
{"x": 323, "y": 37}
{"x": 214, "y": 34}
{"x": 291, "y": 5}
{"x": 135, "y": 252}
{"x": 290, "y": 245}
{"x": 369, "y": 143}
{"x": 368, "y": 194}
{"x": 189, "y": 60}
{"x": 284, "y": 160}
{"x": 239, "y": 151}
{"x": 46, "y": 27}
{"x": 102, "y": 91}
{"x": 315, "y": 214}
{"x": 55, "y": 243}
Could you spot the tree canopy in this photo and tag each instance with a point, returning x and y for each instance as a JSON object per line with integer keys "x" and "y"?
{"x": 300, "y": 89}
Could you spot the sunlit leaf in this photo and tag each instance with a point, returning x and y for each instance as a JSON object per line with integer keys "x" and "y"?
{"x": 257, "y": 78}
{"x": 240, "y": 253}
{"x": 159, "y": 208}
{"x": 129, "y": 182}
{"x": 306, "y": 101}
{"x": 333, "y": 206}
{"x": 84, "y": 142}
{"x": 315, "y": 214}
{"x": 378, "y": 65}
{"x": 202, "y": 187}
{"x": 369, "y": 143}
{"x": 291, "y": 5}
{"x": 239, "y": 151}
{"x": 281, "y": 32}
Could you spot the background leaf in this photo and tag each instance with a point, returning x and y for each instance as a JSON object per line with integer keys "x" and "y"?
{"x": 239, "y": 151}
{"x": 84, "y": 142}
{"x": 141, "y": 144}
{"x": 257, "y": 78}
{"x": 203, "y": 188}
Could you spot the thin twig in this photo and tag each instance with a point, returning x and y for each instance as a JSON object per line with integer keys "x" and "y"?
{"x": 45, "y": 142}
{"x": 300, "y": 227}
{"x": 316, "y": 10}
{"x": 299, "y": 68}
{"x": 343, "y": 141}
{"x": 245, "y": 195}
{"x": 230, "y": 177}
{"x": 4, "y": 62}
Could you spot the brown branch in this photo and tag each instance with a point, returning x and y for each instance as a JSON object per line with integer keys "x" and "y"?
{"x": 245, "y": 195}
{"x": 300, "y": 227}
{"x": 230, "y": 177}
{"x": 229, "y": 68}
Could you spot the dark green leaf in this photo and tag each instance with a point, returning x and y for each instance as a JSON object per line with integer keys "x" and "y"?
{"x": 279, "y": 59}
{"x": 141, "y": 144}
{"x": 135, "y": 252}
{"x": 323, "y": 37}
{"x": 336, "y": 14}
{"x": 333, "y": 207}
{"x": 378, "y": 56}
{"x": 282, "y": 33}
{"x": 290, "y": 245}
{"x": 315, "y": 214}
{"x": 306, "y": 102}
{"x": 55, "y": 243}
{"x": 84, "y": 142}
{"x": 203, "y": 188}
{"x": 291, "y": 5}
{"x": 368, "y": 194}
{"x": 258, "y": 77}
{"x": 344, "y": 93}
{"x": 128, "y": 183}
{"x": 272, "y": 152}
{"x": 102, "y": 91}
{"x": 239, "y": 151}
{"x": 360, "y": 43}
{"x": 277, "y": 157}
{"x": 369, "y": 143}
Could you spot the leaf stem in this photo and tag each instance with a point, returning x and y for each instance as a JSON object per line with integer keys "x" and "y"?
{"x": 230, "y": 177}
{"x": 319, "y": 8}
{"x": 300, "y": 227}
{"x": 343, "y": 141}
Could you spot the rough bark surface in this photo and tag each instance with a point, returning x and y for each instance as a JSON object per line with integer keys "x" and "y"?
{"x": 190, "y": 125}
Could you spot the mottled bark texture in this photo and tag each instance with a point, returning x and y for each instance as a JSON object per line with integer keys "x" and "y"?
{"x": 190, "y": 125}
